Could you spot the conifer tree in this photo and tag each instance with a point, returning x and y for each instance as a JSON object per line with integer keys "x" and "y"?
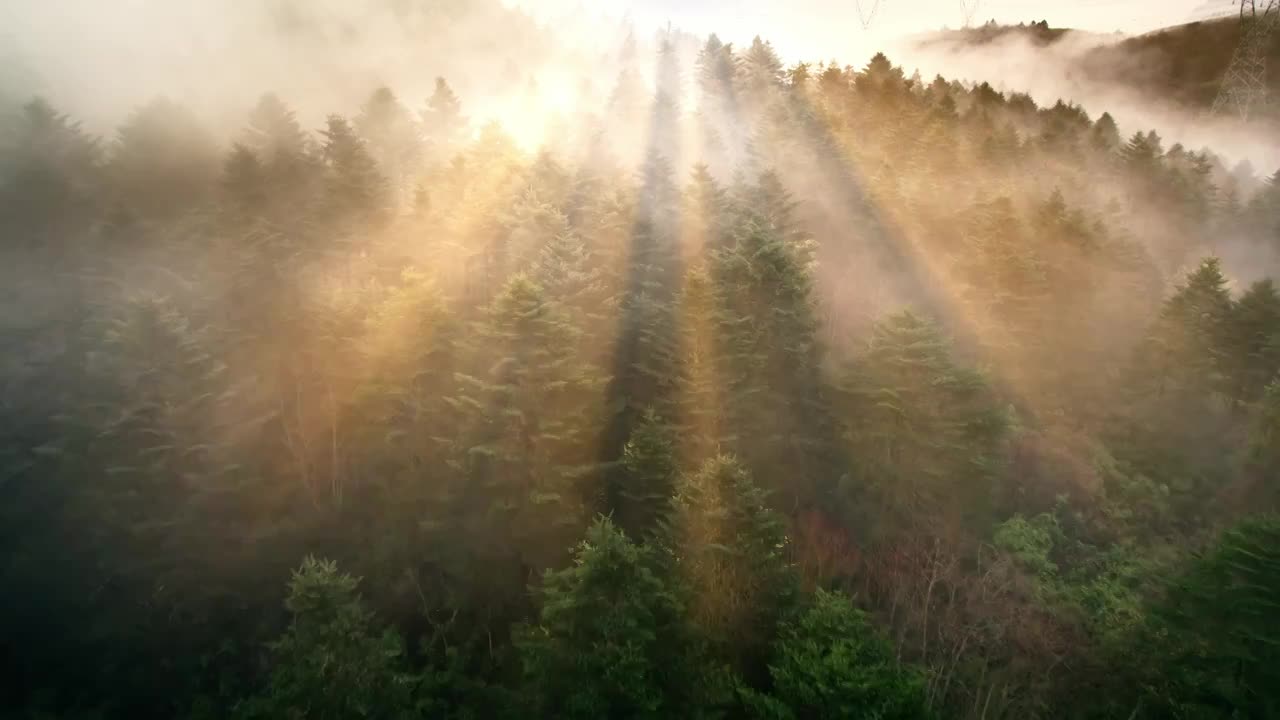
{"x": 289, "y": 163}
{"x": 274, "y": 134}
{"x": 1253, "y": 348}
{"x": 333, "y": 662}
{"x": 355, "y": 190}
{"x": 760, "y": 70}
{"x": 926, "y": 433}
{"x": 1263, "y": 459}
{"x": 730, "y": 549}
{"x": 244, "y": 184}
{"x": 1185, "y": 352}
{"x": 1211, "y": 647}
{"x": 831, "y": 662}
{"x": 646, "y": 365}
{"x": 51, "y": 178}
{"x": 392, "y": 139}
{"x": 777, "y": 416}
{"x": 647, "y": 479}
{"x": 163, "y": 161}
{"x": 443, "y": 123}
{"x": 610, "y": 641}
{"x": 525, "y": 427}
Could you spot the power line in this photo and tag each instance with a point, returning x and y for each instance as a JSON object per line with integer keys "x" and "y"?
{"x": 968, "y": 8}
{"x": 867, "y": 17}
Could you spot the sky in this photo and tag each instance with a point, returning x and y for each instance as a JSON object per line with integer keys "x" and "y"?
{"x": 834, "y": 28}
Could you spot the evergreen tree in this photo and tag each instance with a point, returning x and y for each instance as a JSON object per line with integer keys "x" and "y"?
{"x": 730, "y": 549}
{"x": 524, "y": 428}
{"x": 776, "y": 417}
{"x": 1212, "y": 645}
{"x": 611, "y": 640}
{"x": 274, "y": 134}
{"x": 392, "y": 138}
{"x": 648, "y": 477}
{"x": 647, "y": 371}
{"x": 1185, "y": 352}
{"x": 332, "y": 662}
{"x": 51, "y": 179}
{"x": 927, "y": 433}
{"x": 830, "y": 662}
{"x": 443, "y": 123}
{"x": 244, "y": 182}
{"x": 356, "y": 190}
{"x": 163, "y": 162}
{"x": 289, "y": 165}
{"x": 1262, "y": 462}
{"x": 1253, "y": 349}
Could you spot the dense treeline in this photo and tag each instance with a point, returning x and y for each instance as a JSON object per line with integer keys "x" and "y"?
{"x": 834, "y": 393}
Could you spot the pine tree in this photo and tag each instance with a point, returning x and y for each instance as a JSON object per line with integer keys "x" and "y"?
{"x": 760, "y": 70}
{"x": 443, "y": 123}
{"x": 926, "y": 433}
{"x": 163, "y": 161}
{"x": 647, "y": 371}
{"x": 244, "y": 183}
{"x": 1185, "y": 351}
{"x": 610, "y": 640}
{"x": 356, "y": 190}
{"x": 524, "y": 428}
{"x": 715, "y": 74}
{"x": 572, "y": 279}
{"x": 647, "y": 478}
{"x": 1007, "y": 287}
{"x": 51, "y": 179}
{"x": 1252, "y": 353}
{"x": 332, "y": 662}
{"x": 274, "y": 134}
{"x": 1263, "y": 459}
{"x": 291, "y": 169}
{"x": 393, "y": 140}
{"x": 1211, "y": 648}
{"x": 776, "y": 416}
{"x": 831, "y": 662}
{"x": 729, "y": 547}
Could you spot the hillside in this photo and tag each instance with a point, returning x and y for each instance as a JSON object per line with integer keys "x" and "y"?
{"x": 1181, "y": 65}
{"x": 713, "y": 388}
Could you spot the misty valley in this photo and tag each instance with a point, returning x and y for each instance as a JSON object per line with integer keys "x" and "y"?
{"x": 657, "y": 376}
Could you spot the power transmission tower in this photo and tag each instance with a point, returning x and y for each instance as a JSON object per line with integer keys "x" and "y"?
{"x": 968, "y": 8}
{"x": 1244, "y": 87}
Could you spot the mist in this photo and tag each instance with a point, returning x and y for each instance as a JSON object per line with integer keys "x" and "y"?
{"x": 480, "y": 359}
{"x": 1059, "y": 70}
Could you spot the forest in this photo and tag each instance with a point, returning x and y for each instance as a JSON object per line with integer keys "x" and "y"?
{"x": 754, "y": 390}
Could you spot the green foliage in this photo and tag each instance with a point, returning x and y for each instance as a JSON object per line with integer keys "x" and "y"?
{"x": 1212, "y": 644}
{"x": 332, "y": 662}
{"x": 433, "y": 355}
{"x": 1030, "y": 541}
{"x": 611, "y": 639}
{"x": 927, "y": 433}
{"x": 831, "y": 662}
{"x": 355, "y": 188}
{"x": 648, "y": 476}
{"x": 776, "y": 407}
{"x": 729, "y": 547}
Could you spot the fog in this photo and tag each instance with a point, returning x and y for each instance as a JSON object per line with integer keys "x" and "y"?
{"x": 1015, "y": 62}
{"x": 98, "y": 61}
{"x": 443, "y": 291}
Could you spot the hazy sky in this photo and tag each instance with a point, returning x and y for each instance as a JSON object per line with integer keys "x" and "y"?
{"x": 809, "y": 28}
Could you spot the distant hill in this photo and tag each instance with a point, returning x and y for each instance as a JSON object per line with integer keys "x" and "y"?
{"x": 1182, "y": 65}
